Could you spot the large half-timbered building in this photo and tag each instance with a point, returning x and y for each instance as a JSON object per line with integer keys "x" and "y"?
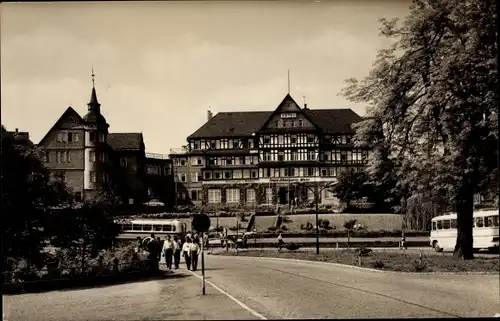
{"x": 249, "y": 158}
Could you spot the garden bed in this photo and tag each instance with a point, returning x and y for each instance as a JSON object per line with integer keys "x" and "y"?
{"x": 382, "y": 260}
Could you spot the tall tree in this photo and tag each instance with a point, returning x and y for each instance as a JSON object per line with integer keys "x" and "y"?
{"x": 27, "y": 194}
{"x": 431, "y": 95}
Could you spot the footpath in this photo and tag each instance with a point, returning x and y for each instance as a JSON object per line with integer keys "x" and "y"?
{"x": 176, "y": 297}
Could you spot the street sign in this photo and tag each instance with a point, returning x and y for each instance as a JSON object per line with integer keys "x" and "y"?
{"x": 201, "y": 223}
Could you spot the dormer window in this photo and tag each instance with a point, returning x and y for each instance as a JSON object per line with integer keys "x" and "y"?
{"x": 92, "y": 136}
{"x": 301, "y": 123}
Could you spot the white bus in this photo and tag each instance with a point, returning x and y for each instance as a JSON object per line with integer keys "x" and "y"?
{"x": 131, "y": 229}
{"x": 484, "y": 232}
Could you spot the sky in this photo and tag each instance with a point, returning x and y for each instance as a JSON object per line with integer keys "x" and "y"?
{"x": 160, "y": 66}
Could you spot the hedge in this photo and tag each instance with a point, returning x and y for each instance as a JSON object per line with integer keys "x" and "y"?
{"x": 272, "y": 232}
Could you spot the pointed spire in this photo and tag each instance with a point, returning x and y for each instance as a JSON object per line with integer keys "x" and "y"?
{"x": 93, "y": 96}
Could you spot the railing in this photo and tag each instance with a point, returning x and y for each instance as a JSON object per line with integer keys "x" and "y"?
{"x": 178, "y": 151}
{"x": 156, "y": 156}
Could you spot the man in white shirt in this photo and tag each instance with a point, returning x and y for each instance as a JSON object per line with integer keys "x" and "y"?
{"x": 186, "y": 252}
{"x": 168, "y": 251}
{"x": 195, "y": 251}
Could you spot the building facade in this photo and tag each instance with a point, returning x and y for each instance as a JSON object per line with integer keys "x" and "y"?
{"x": 249, "y": 158}
{"x": 159, "y": 179}
{"x": 83, "y": 153}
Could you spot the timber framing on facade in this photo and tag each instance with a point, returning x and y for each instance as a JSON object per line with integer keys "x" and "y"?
{"x": 245, "y": 159}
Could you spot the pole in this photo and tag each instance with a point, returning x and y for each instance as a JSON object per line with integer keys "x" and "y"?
{"x": 236, "y": 240}
{"x": 317, "y": 223}
{"x": 202, "y": 264}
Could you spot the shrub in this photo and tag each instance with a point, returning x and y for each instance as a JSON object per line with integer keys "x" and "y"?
{"x": 272, "y": 228}
{"x": 284, "y": 228}
{"x": 364, "y": 251}
{"x": 378, "y": 264}
{"x": 416, "y": 266}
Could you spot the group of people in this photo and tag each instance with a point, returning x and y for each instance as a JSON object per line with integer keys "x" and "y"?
{"x": 171, "y": 249}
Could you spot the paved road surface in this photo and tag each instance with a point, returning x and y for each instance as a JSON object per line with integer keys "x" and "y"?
{"x": 312, "y": 239}
{"x": 176, "y": 298}
{"x": 285, "y": 289}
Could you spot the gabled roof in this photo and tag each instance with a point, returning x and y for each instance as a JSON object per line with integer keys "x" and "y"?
{"x": 68, "y": 112}
{"x": 232, "y": 124}
{"x": 242, "y": 124}
{"x": 279, "y": 109}
{"x": 334, "y": 120}
{"x": 125, "y": 141}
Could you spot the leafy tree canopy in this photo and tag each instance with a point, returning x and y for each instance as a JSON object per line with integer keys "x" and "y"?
{"x": 433, "y": 116}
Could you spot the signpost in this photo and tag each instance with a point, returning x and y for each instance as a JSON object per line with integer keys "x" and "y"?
{"x": 201, "y": 223}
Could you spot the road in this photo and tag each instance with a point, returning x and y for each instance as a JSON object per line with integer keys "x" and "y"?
{"x": 340, "y": 239}
{"x": 285, "y": 289}
{"x": 175, "y": 298}
{"x": 271, "y": 288}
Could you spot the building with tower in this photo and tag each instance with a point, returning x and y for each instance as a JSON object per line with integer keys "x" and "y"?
{"x": 83, "y": 153}
{"x": 275, "y": 157}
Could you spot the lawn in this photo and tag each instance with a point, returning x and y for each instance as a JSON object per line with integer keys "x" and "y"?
{"x": 388, "y": 261}
{"x": 262, "y": 223}
{"x": 373, "y": 222}
{"x": 226, "y": 222}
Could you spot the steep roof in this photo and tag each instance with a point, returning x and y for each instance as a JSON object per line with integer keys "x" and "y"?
{"x": 69, "y": 112}
{"x": 125, "y": 141}
{"x": 232, "y": 124}
{"x": 235, "y": 124}
{"x": 333, "y": 120}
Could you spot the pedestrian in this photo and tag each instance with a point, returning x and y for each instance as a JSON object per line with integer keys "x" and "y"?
{"x": 159, "y": 244}
{"x": 168, "y": 251}
{"x": 138, "y": 245}
{"x": 195, "y": 251}
{"x": 281, "y": 243}
{"x": 402, "y": 244}
{"x": 152, "y": 248}
{"x": 186, "y": 253}
{"x": 177, "y": 247}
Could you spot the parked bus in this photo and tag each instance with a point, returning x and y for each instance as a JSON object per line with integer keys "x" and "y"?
{"x": 131, "y": 229}
{"x": 484, "y": 231}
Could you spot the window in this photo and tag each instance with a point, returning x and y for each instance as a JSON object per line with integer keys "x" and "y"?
{"x": 439, "y": 225}
{"x": 301, "y": 123}
{"x": 434, "y": 226}
{"x": 310, "y": 194}
{"x": 194, "y": 195}
{"x": 227, "y": 174}
{"x": 59, "y": 137}
{"x": 207, "y": 175}
{"x": 250, "y": 195}
{"x": 76, "y": 137}
{"x": 78, "y": 196}
{"x": 310, "y": 171}
{"x": 453, "y": 223}
{"x": 237, "y": 174}
{"x": 232, "y": 195}
{"x": 92, "y": 177}
{"x": 104, "y": 177}
{"x": 250, "y": 143}
{"x": 182, "y": 177}
{"x": 254, "y": 173}
{"x": 183, "y": 162}
{"x": 102, "y": 157}
{"x": 446, "y": 224}
{"x": 67, "y": 156}
{"x": 214, "y": 195}
{"x": 101, "y": 137}
{"x": 194, "y": 177}
{"x": 92, "y": 136}
{"x": 70, "y": 137}
{"x": 494, "y": 221}
{"x": 60, "y": 176}
{"x": 123, "y": 162}
{"x": 47, "y": 157}
{"x": 479, "y": 222}
{"x": 269, "y": 195}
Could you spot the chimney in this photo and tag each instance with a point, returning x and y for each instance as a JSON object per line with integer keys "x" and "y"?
{"x": 305, "y": 106}
{"x": 17, "y": 130}
{"x": 209, "y": 115}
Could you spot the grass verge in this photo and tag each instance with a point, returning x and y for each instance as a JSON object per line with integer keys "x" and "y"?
{"x": 387, "y": 261}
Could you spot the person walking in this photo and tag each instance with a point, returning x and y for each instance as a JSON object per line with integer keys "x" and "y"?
{"x": 159, "y": 244}
{"x": 177, "y": 247}
{"x": 186, "y": 253}
{"x": 152, "y": 248}
{"x": 168, "y": 251}
{"x": 195, "y": 251}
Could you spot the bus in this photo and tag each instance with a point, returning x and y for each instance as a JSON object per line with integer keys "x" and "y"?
{"x": 133, "y": 228}
{"x": 484, "y": 231}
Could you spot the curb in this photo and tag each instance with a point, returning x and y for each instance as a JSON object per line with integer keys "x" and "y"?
{"x": 368, "y": 269}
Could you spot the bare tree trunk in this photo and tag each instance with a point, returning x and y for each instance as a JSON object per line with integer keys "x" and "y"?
{"x": 465, "y": 209}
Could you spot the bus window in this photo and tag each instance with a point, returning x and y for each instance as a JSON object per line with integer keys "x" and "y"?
{"x": 137, "y": 227}
{"x": 157, "y": 228}
{"x": 494, "y": 221}
{"x": 440, "y": 225}
{"x": 127, "y": 227}
{"x": 434, "y": 226}
{"x": 479, "y": 222}
{"x": 446, "y": 224}
{"x": 173, "y": 228}
{"x": 167, "y": 228}
{"x": 147, "y": 227}
{"x": 453, "y": 223}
